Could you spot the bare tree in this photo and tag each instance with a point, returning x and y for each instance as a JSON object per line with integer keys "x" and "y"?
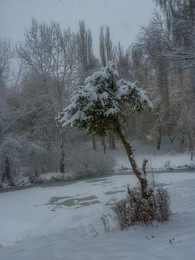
{"x": 150, "y": 49}
{"x": 86, "y": 58}
{"x": 107, "y": 51}
{"x": 166, "y": 47}
{"x": 52, "y": 54}
{"x": 87, "y": 61}
{"x": 8, "y": 117}
{"x": 123, "y": 63}
{"x": 180, "y": 24}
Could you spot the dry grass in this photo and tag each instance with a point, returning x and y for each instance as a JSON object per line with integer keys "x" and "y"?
{"x": 135, "y": 209}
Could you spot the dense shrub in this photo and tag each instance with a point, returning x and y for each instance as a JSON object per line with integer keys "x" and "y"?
{"x": 82, "y": 161}
{"x": 135, "y": 209}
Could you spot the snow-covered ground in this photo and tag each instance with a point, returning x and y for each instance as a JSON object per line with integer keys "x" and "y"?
{"x": 168, "y": 158}
{"x": 64, "y": 222}
{"x": 116, "y": 161}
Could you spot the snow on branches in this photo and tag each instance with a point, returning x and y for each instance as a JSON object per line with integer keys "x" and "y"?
{"x": 103, "y": 99}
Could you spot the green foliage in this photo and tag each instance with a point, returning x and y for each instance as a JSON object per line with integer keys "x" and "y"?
{"x": 104, "y": 101}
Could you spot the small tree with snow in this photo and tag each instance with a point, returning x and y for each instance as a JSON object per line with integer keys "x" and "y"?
{"x": 105, "y": 103}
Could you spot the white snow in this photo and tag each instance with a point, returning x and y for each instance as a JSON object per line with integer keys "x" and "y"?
{"x": 64, "y": 222}
{"x": 101, "y": 75}
{"x": 163, "y": 160}
{"x": 112, "y": 93}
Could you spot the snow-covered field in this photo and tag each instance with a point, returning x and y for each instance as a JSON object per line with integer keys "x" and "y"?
{"x": 64, "y": 222}
{"x": 167, "y": 158}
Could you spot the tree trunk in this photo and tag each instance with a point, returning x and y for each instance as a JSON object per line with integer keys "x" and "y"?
{"x": 140, "y": 175}
{"x": 62, "y": 166}
{"x": 159, "y": 138}
{"x": 104, "y": 144}
{"x": 182, "y": 140}
{"x": 8, "y": 172}
{"x": 112, "y": 141}
{"x": 94, "y": 142}
{"x": 192, "y": 153}
{"x": 62, "y": 155}
{"x": 191, "y": 144}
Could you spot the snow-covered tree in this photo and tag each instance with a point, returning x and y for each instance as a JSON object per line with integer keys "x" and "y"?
{"x": 166, "y": 49}
{"x": 104, "y": 103}
{"x": 52, "y": 54}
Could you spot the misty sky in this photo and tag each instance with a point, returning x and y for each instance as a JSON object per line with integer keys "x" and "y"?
{"x": 124, "y": 17}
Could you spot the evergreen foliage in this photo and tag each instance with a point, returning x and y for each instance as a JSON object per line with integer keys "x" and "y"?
{"x": 103, "y": 103}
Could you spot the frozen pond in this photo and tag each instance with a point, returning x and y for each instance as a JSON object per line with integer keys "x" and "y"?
{"x": 63, "y": 221}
